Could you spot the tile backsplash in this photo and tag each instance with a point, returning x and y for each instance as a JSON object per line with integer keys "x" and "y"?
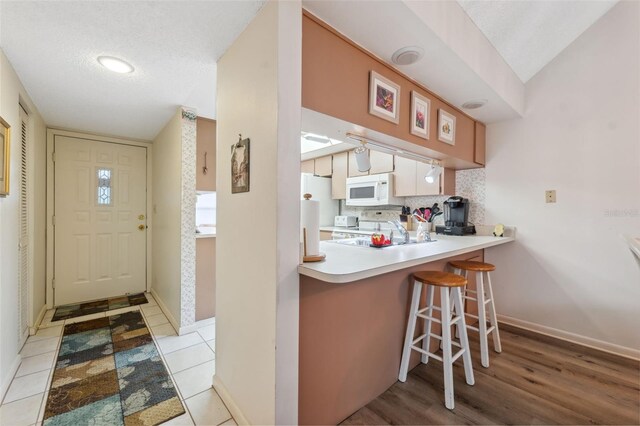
{"x": 469, "y": 184}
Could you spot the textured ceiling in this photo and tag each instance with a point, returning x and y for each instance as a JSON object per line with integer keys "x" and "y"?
{"x": 174, "y": 46}
{"x": 529, "y": 34}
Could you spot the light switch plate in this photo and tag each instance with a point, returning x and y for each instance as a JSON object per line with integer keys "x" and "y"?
{"x": 550, "y": 196}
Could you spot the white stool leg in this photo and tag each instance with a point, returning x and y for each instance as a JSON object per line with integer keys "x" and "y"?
{"x": 492, "y": 316}
{"x": 411, "y": 327}
{"x": 446, "y": 347}
{"x": 427, "y": 325}
{"x": 482, "y": 320}
{"x": 464, "y": 293}
{"x": 461, "y": 326}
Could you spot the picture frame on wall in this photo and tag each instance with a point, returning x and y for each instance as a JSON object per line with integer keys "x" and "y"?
{"x": 420, "y": 113}
{"x": 384, "y": 98}
{"x": 446, "y": 127}
{"x": 5, "y": 159}
{"x": 240, "y": 166}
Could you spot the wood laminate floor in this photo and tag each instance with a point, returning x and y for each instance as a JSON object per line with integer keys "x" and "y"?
{"x": 535, "y": 380}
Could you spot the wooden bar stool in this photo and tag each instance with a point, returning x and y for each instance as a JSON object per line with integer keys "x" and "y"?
{"x": 482, "y": 270}
{"x": 450, "y": 288}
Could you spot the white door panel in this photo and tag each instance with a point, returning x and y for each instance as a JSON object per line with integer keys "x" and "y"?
{"x": 100, "y": 203}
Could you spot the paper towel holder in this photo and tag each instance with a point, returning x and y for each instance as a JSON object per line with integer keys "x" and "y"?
{"x": 310, "y": 258}
{"x": 305, "y": 257}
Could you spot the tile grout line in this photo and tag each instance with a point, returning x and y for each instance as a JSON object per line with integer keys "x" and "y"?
{"x": 43, "y": 404}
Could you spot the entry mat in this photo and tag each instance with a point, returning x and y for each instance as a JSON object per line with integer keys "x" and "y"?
{"x": 109, "y": 372}
{"x": 80, "y": 309}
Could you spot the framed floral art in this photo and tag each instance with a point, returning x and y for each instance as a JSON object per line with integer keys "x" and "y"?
{"x": 384, "y": 98}
{"x": 420, "y": 111}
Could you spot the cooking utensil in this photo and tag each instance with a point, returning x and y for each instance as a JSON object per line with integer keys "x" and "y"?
{"x": 433, "y": 216}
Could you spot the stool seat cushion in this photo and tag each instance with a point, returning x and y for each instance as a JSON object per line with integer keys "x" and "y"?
{"x": 472, "y": 265}
{"x": 440, "y": 279}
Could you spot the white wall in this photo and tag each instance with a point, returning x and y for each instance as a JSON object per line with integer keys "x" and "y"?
{"x": 11, "y": 91}
{"x": 259, "y": 96}
{"x": 167, "y": 190}
{"x": 570, "y": 270}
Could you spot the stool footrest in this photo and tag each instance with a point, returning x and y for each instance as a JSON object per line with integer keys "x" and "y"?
{"x": 457, "y": 355}
{"x": 429, "y": 354}
{"x": 427, "y": 317}
{"x": 469, "y": 298}
{"x": 426, "y": 308}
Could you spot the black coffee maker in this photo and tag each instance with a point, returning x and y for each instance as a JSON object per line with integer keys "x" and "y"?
{"x": 456, "y": 216}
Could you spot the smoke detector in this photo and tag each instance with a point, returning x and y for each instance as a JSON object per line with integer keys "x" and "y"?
{"x": 474, "y": 104}
{"x": 407, "y": 55}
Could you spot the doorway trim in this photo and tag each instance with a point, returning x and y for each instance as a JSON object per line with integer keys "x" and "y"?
{"x": 51, "y": 135}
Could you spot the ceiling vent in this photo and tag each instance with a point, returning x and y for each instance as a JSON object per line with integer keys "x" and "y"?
{"x": 474, "y": 104}
{"x": 407, "y": 55}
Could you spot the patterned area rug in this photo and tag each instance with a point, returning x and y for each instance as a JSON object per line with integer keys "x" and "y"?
{"x": 80, "y": 309}
{"x": 109, "y": 372}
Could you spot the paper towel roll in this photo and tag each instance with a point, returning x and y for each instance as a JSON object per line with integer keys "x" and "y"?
{"x": 310, "y": 219}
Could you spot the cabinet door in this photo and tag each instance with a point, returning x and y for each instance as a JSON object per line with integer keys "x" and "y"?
{"x": 353, "y": 166}
{"x": 339, "y": 176}
{"x": 448, "y": 182}
{"x": 422, "y": 186}
{"x": 380, "y": 162}
{"x": 405, "y": 177}
{"x": 323, "y": 166}
{"x": 325, "y": 235}
{"x": 307, "y": 167}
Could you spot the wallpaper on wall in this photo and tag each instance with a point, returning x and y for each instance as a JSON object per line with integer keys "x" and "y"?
{"x": 469, "y": 184}
{"x": 188, "y": 220}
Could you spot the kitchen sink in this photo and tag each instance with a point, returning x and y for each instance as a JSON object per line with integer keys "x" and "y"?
{"x": 366, "y": 242}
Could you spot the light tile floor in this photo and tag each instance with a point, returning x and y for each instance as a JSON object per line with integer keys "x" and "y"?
{"x": 190, "y": 359}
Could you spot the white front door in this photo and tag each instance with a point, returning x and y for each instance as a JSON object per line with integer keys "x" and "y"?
{"x": 100, "y": 219}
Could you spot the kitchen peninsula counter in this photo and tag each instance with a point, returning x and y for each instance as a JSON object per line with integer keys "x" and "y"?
{"x": 353, "y": 314}
{"x": 345, "y": 263}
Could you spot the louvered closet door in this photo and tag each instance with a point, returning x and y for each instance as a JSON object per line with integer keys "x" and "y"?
{"x": 24, "y": 231}
{"x": 100, "y": 220}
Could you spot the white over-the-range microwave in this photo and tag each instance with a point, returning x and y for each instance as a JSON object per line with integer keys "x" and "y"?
{"x": 373, "y": 190}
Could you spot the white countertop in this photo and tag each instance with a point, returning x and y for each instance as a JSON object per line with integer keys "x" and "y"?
{"x": 206, "y": 232}
{"x": 345, "y": 263}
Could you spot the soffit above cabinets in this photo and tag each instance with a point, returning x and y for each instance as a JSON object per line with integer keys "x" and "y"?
{"x": 458, "y": 66}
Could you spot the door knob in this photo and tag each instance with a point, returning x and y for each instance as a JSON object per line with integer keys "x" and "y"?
{"x": 141, "y": 227}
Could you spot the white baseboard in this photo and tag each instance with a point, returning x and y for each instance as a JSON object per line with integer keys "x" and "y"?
{"x": 4, "y": 386}
{"x": 235, "y": 411}
{"x": 572, "y": 337}
{"x": 196, "y": 325}
{"x": 165, "y": 310}
{"x": 34, "y": 329}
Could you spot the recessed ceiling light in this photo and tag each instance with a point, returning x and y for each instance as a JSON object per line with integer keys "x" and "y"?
{"x": 115, "y": 64}
{"x": 474, "y": 104}
{"x": 407, "y": 55}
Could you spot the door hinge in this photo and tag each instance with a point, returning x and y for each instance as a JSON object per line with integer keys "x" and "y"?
{"x": 53, "y": 156}
{"x": 53, "y": 283}
{"x": 53, "y": 220}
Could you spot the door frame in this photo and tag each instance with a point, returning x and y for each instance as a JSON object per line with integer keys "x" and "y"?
{"x": 51, "y": 135}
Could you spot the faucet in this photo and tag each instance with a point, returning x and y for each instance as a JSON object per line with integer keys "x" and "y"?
{"x": 402, "y": 230}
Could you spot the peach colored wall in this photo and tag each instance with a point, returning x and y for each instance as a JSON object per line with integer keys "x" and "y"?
{"x": 340, "y": 88}
{"x": 205, "y": 278}
{"x": 351, "y": 338}
{"x": 206, "y": 142}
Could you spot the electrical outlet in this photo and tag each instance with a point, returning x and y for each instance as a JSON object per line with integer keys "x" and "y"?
{"x": 550, "y": 196}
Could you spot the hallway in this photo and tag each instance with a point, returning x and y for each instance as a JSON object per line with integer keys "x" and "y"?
{"x": 190, "y": 360}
